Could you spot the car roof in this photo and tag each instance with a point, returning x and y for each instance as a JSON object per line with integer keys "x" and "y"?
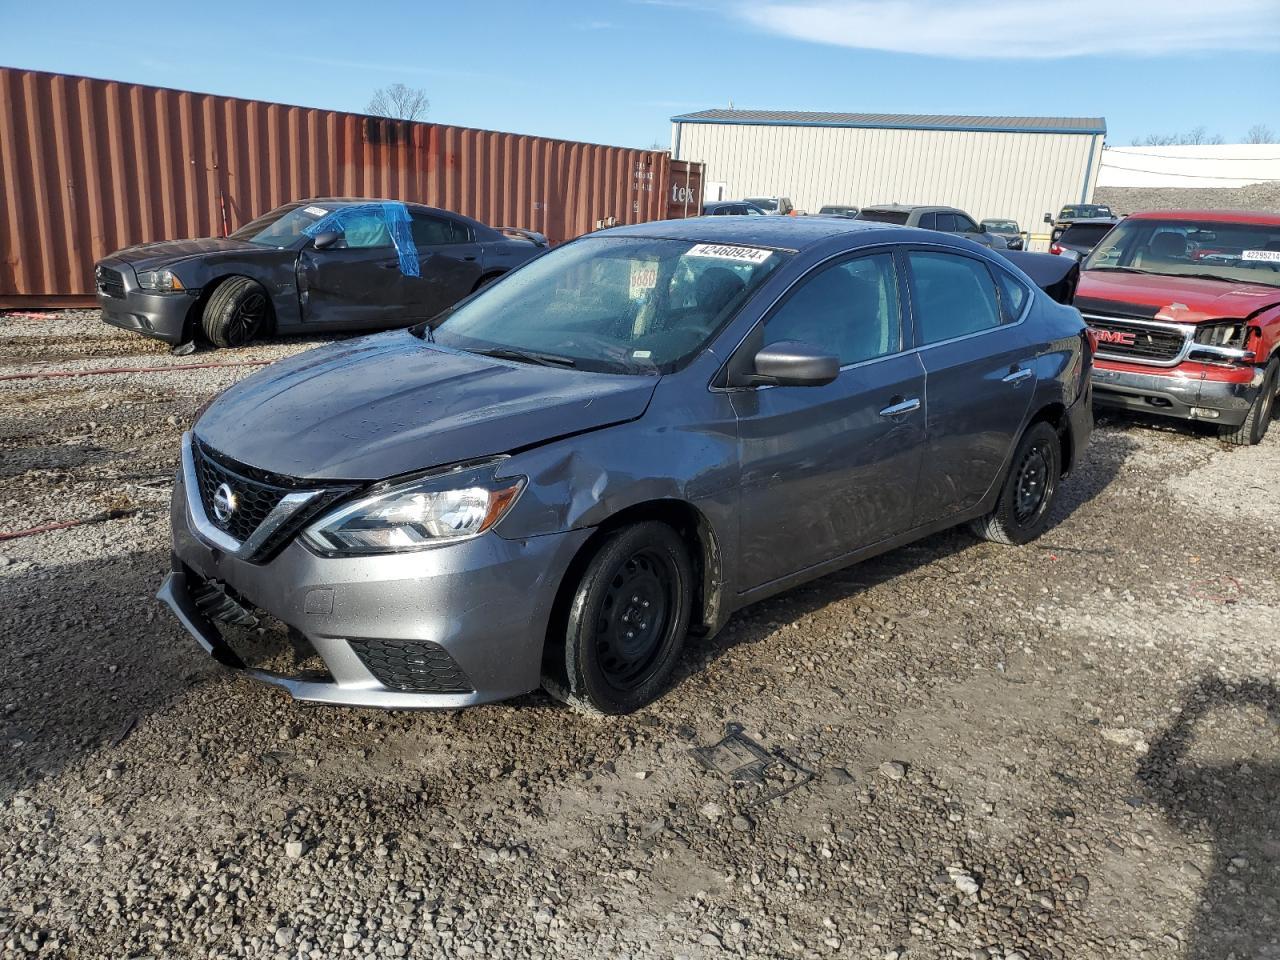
{"x": 1219, "y": 216}
{"x": 1094, "y": 221}
{"x": 910, "y": 207}
{"x": 779, "y": 233}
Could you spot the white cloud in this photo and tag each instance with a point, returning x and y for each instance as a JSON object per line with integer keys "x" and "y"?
{"x": 1024, "y": 29}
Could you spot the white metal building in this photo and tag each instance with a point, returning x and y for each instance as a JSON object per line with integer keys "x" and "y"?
{"x": 1010, "y": 167}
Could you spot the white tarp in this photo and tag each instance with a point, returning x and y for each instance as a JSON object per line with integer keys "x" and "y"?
{"x": 1203, "y": 165}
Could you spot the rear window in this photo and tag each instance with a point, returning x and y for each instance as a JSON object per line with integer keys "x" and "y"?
{"x": 1085, "y": 234}
{"x": 898, "y": 217}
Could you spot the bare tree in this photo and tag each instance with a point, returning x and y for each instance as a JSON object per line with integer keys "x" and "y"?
{"x": 1261, "y": 133}
{"x": 399, "y": 103}
{"x": 1198, "y": 135}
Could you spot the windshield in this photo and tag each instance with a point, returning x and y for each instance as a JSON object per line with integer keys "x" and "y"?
{"x": 1000, "y": 226}
{"x": 282, "y": 226}
{"x": 611, "y": 304}
{"x": 1245, "y": 252}
{"x": 884, "y": 216}
{"x": 1084, "y": 211}
{"x": 764, "y": 203}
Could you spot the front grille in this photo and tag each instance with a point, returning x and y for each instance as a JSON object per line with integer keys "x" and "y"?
{"x": 412, "y": 666}
{"x": 1138, "y": 341}
{"x": 110, "y": 282}
{"x": 254, "y": 498}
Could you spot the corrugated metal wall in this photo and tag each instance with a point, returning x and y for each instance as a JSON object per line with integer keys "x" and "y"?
{"x": 1020, "y": 176}
{"x": 90, "y": 166}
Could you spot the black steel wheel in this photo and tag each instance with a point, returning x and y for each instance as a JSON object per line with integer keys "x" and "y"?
{"x": 626, "y": 622}
{"x": 1022, "y": 512}
{"x": 237, "y": 313}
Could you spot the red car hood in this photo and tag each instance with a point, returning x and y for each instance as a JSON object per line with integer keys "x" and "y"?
{"x": 1178, "y": 299}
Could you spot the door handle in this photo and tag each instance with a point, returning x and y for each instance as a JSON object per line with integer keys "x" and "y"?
{"x": 1017, "y": 376}
{"x": 468, "y": 259}
{"x": 901, "y": 407}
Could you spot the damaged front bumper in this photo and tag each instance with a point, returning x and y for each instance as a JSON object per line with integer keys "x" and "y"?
{"x": 127, "y": 306}
{"x": 1192, "y": 391}
{"x": 446, "y": 627}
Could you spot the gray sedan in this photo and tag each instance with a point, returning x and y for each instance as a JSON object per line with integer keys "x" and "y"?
{"x": 617, "y": 445}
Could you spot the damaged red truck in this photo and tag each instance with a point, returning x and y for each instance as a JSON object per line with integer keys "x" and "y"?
{"x": 1185, "y": 308}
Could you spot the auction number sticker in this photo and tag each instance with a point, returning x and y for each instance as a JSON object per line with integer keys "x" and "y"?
{"x": 721, "y": 252}
{"x": 1267, "y": 256}
{"x": 644, "y": 277}
{"x": 315, "y": 211}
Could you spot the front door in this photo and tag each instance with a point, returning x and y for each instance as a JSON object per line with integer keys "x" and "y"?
{"x": 980, "y": 363}
{"x": 357, "y": 282}
{"x": 827, "y": 470}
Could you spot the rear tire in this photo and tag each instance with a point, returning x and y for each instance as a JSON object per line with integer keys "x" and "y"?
{"x": 1255, "y": 425}
{"x": 626, "y": 622}
{"x": 237, "y": 312}
{"x": 1026, "y": 500}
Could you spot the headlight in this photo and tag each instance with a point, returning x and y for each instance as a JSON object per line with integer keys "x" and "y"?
{"x": 442, "y": 508}
{"x": 1228, "y": 334}
{"x": 159, "y": 281}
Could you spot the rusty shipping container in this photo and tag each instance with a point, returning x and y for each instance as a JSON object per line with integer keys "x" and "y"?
{"x": 89, "y": 166}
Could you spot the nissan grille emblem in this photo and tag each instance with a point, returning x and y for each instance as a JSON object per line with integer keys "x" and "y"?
{"x": 224, "y": 503}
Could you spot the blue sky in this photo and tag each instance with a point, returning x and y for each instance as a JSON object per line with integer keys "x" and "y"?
{"x": 615, "y": 71}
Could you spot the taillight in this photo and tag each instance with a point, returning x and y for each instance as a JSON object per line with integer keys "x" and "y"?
{"x": 1055, "y": 249}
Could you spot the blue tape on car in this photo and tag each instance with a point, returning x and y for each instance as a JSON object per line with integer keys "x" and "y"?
{"x": 363, "y": 224}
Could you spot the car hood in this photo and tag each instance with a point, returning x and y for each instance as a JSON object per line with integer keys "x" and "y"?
{"x": 1178, "y": 299}
{"x": 393, "y": 404}
{"x": 148, "y": 256}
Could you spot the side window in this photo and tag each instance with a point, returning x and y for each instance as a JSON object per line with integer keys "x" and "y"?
{"x": 947, "y": 222}
{"x": 954, "y": 295}
{"x": 929, "y": 221}
{"x": 365, "y": 230}
{"x": 850, "y": 308}
{"x": 1013, "y": 295}
{"x": 436, "y": 231}
{"x": 965, "y": 225}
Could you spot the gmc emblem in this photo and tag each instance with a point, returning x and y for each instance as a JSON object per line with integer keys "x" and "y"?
{"x": 1115, "y": 336}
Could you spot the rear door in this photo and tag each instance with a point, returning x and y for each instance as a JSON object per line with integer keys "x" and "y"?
{"x": 450, "y": 261}
{"x": 829, "y": 469}
{"x": 979, "y": 359}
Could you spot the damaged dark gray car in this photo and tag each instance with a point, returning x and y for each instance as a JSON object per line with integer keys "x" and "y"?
{"x": 318, "y": 266}
{"x": 621, "y": 443}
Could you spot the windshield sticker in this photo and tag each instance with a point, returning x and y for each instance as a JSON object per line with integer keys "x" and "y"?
{"x": 721, "y": 252}
{"x": 1266, "y": 256}
{"x": 644, "y": 277}
{"x": 315, "y": 211}
{"x": 641, "y": 354}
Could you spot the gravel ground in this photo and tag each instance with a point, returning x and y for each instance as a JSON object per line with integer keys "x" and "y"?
{"x": 1068, "y": 750}
{"x": 1257, "y": 196}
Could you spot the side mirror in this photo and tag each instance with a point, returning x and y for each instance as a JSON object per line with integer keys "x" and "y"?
{"x": 326, "y": 239}
{"x": 1048, "y": 218}
{"x": 790, "y": 363}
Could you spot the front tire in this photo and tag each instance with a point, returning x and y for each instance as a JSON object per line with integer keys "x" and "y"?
{"x": 626, "y": 622}
{"x": 237, "y": 312}
{"x": 1254, "y": 428}
{"x": 1026, "y": 500}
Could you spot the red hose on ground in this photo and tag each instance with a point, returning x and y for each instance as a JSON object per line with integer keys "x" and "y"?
{"x": 96, "y": 518}
{"x": 40, "y": 375}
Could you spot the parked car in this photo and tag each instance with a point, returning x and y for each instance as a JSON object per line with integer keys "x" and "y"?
{"x": 731, "y": 208}
{"x": 1081, "y": 236}
{"x": 1007, "y": 230}
{"x": 321, "y": 264}
{"x": 837, "y": 210}
{"x": 1073, "y": 212}
{"x": 1186, "y": 309}
{"x": 943, "y": 219}
{"x": 774, "y": 206}
{"x": 626, "y": 439}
